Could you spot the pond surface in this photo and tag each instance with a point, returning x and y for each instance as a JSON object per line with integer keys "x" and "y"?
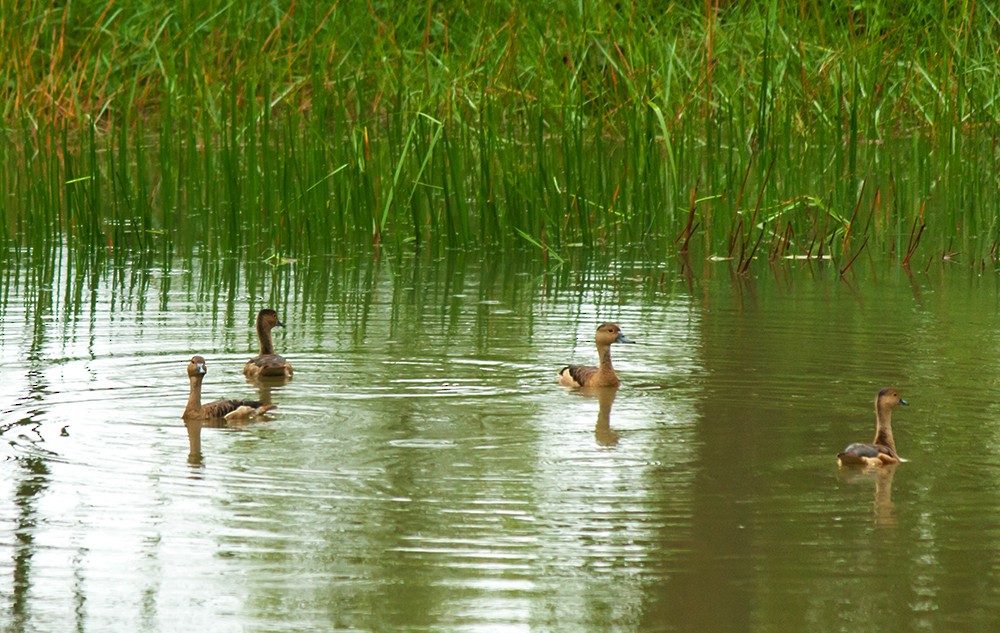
{"x": 424, "y": 472}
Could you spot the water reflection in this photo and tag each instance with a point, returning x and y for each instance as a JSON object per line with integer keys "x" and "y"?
{"x": 880, "y": 480}
{"x": 32, "y": 481}
{"x": 423, "y": 470}
{"x": 265, "y": 384}
{"x": 603, "y": 433}
{"x": 195, "y": 457}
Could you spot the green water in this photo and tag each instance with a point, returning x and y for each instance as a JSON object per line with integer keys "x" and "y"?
{"x": 424, "y": 472}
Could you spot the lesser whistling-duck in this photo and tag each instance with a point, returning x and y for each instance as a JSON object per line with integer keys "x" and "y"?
{"x": 603, "y": 375}
{"x": 228, "y": 409}
{"x": 267, "y": 363}
{"x": 882, "y": 451}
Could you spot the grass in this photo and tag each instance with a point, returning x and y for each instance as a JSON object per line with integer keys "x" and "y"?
{"x": 740, "y": 131}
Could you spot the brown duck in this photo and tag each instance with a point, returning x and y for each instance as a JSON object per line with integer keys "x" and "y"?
{"x": 228, "y": 409}
{"x": 267, "y": 363}
{"x": 882, "y": 450}
{"x": 603, "y": 375}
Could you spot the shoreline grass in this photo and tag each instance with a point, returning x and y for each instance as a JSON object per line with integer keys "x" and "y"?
{"x": 744, "y": 131}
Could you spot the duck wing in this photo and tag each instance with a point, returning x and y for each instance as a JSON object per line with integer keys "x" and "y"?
{"x": 223, "y": 408}
{"x": 860, "y": 453}
{"x": 268, "y": 365}
{"x": 576, "y": 375}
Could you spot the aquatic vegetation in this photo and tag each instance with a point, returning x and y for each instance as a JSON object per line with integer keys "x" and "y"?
{"x": 751, "y": 131}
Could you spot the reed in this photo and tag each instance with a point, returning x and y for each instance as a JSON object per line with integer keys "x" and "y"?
{"x": 742, "y": 131}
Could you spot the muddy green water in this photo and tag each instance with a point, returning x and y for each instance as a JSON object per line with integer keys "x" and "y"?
{"x": 423, "y": 471}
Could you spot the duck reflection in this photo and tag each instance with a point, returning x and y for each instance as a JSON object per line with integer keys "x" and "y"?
{"x": 266, "y": 382}
{"x": 603, "y": 433}
{"x": 194, "y": 441}
{"x": 194, "y": 427}
{"x": 266, "y": 385}
{"x": 884, "y": 508}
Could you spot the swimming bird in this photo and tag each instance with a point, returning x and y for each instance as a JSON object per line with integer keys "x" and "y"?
{"x": 267, "y": 363}
{"x": 604, "y": 375}
{"x": 883, "y": 449}
{"x": 228, "y": 409}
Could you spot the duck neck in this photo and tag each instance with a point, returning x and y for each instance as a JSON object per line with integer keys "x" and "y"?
{"x": 194, "y": 398}
{"x": 883, "y": 427}
{"x": 264, "y": 334}
{"x": 604, "y": 354}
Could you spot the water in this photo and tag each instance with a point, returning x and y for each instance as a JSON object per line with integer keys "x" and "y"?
{"x": 424, "y": 472}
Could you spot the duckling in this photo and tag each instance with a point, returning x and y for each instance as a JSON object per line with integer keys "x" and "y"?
{"x": 603, "y": 376}
{"x": 267, "y": 363}
{"x": 882, "y": 450}
{"x": 228, "y": 409}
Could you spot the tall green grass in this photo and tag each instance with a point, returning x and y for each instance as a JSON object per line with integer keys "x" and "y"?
{"x": 743, "y": 131}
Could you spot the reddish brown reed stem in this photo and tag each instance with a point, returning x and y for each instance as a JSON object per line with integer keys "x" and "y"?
{"x": 851, "y": 262}
{"x": 689, "y": 228}
{"x": 854, "y": 215}
{"x": 915, "y": 235}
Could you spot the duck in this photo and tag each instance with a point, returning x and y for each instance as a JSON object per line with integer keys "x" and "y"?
{"x": 267, "y": 363}
{"x": 228, "y": 409}
{"x": 604, "y": 375}
{"x": 882, "y": 451}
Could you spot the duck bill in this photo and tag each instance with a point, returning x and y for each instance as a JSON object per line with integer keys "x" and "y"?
{"x": 623, "y": 339}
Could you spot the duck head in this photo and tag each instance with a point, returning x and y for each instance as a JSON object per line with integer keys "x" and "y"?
{"x": 197, "y": 366}
{"x": 608, "y": 333}
{"x": 268, "y": 318}
{"x": 889, "y": 398}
